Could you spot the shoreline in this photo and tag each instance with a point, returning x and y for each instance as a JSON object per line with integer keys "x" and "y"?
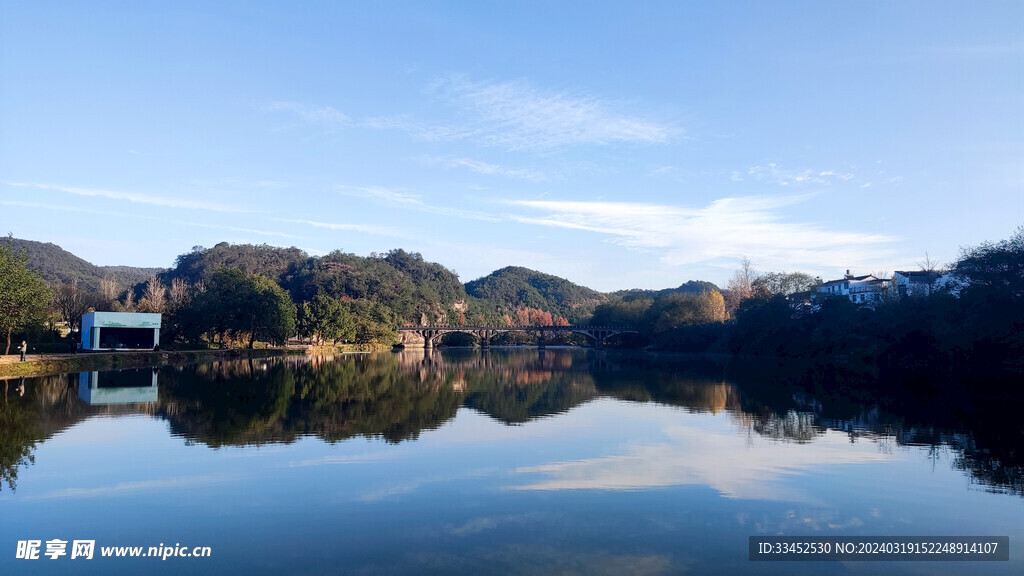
{"x": 48, "y": 364}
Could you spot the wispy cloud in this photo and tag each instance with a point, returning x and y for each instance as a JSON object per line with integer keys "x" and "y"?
{"x": 518, "y": 116}
{"x": 134, "y": 197}
{"x": 725, "y": 229}
{"x": 474, "y": 526}
{"x": 132, "y": 487}
{"x": 324, "y": 116}
{"x": 389, "y": 195}
{"x": 725, "y": 462}
{"x": 386, "y": 493}
{"x": 364, "y": 228}
{"x": 426, "y": 131}
{"x": 485, "y": 168}
{"x": 342, "y": 460}
{"x": 789, "y": 177}
{"x": 401, "y": 198}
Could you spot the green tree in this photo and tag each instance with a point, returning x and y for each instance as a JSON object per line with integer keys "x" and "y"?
{"x": 375, "y": 322}
{"x": 234, "y": 303}
{"x": 268, "y": 310}
{"x": 771, "y": 284}
{"x": 683, "y": 309}
{"x": 325, "y": 318}
{"x": 218, "y": 308}
{"x": 621, "y": 313}
{"x": 998, "y": 267}
{"x": 24, "y": 297}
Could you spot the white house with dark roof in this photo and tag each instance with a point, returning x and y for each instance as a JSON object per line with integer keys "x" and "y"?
{"x": 866, "y": 289}
{"x": 918, "y": 282}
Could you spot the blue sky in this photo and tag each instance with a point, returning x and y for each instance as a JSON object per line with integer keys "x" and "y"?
{"x": 618, "y": 146}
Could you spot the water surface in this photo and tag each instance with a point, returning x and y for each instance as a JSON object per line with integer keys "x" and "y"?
{"x": 526, "y": 462}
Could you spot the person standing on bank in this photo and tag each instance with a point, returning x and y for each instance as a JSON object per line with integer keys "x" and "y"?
{"x": 24, "y": 350}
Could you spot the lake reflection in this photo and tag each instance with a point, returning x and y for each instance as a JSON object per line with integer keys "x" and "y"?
{"x": 552, "y": 462}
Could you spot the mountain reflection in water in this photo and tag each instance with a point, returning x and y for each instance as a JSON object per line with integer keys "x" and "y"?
{"x": 398, "y": 396}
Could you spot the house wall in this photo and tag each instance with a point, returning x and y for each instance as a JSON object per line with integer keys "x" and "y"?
{"x": 94, "y": 322}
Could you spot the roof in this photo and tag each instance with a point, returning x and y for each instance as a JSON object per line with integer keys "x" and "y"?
{"x": 868, "y": 285}
{"x": 920, "y": 275}
{"x": 866, "y": 277}
{"x": 122, "y": 319}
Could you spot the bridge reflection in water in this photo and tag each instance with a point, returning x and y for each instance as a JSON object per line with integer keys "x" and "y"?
{"x": 431, "y": 335}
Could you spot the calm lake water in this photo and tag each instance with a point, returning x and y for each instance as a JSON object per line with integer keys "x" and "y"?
{"x": 510, "y": 461}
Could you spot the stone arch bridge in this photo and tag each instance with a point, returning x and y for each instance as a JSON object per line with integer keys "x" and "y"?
{"x": 432, "y": 334}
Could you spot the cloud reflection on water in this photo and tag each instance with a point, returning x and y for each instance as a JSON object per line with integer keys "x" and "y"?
{"x": 732, "y": 464}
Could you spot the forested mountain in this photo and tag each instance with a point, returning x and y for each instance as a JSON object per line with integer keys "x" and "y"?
{"x": 688, "y": 287}
{"x": 237, "y": 293}
{"x": 58, "y": 265}
{"x": 413, "y": 290}
{"x": 264, "y": 260}
{"x": 514, "y": 289}
{"x": 397, "y": 287}
{"x": 401, "y": 287}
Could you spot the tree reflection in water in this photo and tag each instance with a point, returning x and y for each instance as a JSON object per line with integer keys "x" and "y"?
{"x": 398, "y": 396}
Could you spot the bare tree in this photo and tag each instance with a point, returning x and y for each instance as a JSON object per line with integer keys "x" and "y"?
{"x": 934, "y": 271}
{"x": 740, "y": 286}
{"x": 928, "y": 265}
{"x": 70, "y": 302}
{"x": 179, "y": 292}
{"x": 154, "y": 297}
{"x": 128, "y": 303}
{"x": 108, "y": 292}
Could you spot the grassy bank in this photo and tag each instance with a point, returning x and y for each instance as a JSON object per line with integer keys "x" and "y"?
{"x": 43, "y": 365}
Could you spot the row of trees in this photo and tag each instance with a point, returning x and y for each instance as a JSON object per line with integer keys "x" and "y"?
{"x": 338, "y": 297}
{"x": 239, "y": 294}
{"x": 226, "y": 307}
{"x": 662, "y": 312}
{"x": 233, "y": 304}
{"x": 70, "y": 301}
{"x": 748, "y": 283}
{"x": 971, "y": 333}
{"x": 698, "y": 304}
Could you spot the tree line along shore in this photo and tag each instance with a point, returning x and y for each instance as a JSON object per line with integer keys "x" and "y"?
{"x": 246, "y": 296}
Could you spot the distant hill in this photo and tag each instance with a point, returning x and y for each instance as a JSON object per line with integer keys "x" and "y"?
{"x": 689, "y": 287}
{"x": 404, "y": 284}
{"x": 514, "y": 288}
{"x": 265, "y": 260}
{"x": 395, "y": 287}
{"x": 401, "y": 283}
{"x": 58, "y": 265}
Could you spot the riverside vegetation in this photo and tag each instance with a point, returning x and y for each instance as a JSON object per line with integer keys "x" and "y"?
{"x": 239, "y": 295}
